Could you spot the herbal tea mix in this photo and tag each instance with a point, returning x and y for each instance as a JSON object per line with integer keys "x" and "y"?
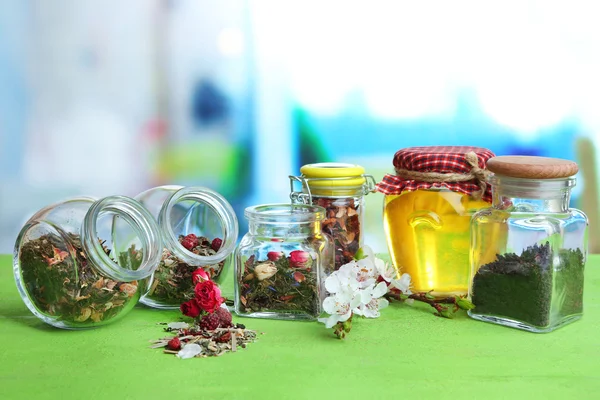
{"x": 172, "y": 280}
{"x": 342, "y": 224}
{"x": 72, "y": 289}
{"x": 524, "y": 287}
{"x": 279, "y": 284}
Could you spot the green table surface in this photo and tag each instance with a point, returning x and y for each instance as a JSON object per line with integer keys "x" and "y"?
{"x": 407, "y": 352}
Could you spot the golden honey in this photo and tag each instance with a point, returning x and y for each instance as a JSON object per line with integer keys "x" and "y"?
{"x": 428, "y": 234}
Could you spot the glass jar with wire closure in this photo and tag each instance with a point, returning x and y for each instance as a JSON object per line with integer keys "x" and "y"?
{"x": 199, "y": 230}
{"x": 340, "y": 189}
{"x": 81, "y": 263}
{"x": 528, "y": 250}
{"x": 428, "y": 206}
{"x": 281, "y": 261}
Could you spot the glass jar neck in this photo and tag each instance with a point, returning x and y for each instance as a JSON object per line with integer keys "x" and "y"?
{"x": 285, "y": 221}
{"x": 531, "y": 195}
{"x": 223, "y": 211}
{"x": 142, "y": 224}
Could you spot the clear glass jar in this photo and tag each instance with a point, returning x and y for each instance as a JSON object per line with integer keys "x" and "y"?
{"x": 340, "y": 189}
{"x": 280, "y": 262}
{"x": 81, "y": 263}
{"x": 529, "y": 249}
{"x": 199, "y": 230}
{"x": 427, "y": 211}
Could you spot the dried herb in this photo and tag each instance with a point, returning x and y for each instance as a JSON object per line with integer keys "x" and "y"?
{"x": 342, "y": 225}
{"x": 72, "y": 290}
{"x": 279, "y": 284}
{"x": 172, "y": 282}
{"x": 521, "y": 287}
{"x": 212, "y": 343}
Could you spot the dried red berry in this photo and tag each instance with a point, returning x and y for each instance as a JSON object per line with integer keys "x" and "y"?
{"x": 224, "y": 338}
{"x": 174, "y": 344}
{"x": 220, "y": 318}
{"x": 190, "y": 241}
{"x": 216, "y": 244}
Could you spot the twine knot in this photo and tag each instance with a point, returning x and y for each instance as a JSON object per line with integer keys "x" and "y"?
{"x": 478, "y": 174}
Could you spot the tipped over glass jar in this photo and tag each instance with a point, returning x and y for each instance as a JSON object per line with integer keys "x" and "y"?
{"x": 81, "y": 263}
{"x": 529, "y": 249}
{"x": 199, "y": 229}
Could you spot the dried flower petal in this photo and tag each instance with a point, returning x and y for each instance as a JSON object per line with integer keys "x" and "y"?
{"x": 189, "y": 351}
{"x": 265, "y": 270}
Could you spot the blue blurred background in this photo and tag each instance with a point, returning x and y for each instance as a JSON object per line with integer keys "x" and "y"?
{"x": 103, "y": 97}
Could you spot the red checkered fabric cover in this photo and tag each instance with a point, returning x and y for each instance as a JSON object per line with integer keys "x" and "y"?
{"x": 440, "y": 159}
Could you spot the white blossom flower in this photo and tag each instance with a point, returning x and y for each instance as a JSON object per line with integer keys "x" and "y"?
{"x": 340, "y": 307}
{"x": 372, "y": 301}
{"x": 402, "y": 284}
{"x": 189, "y": 351}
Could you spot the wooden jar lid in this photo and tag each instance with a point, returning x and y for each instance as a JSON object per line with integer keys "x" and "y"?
{"x": 532, "y": 167}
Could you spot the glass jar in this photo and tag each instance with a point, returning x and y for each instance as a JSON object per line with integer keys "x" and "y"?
{"x": 199, "y": 230}
{"x": 81, "y": 263}
{"x": 427, "y": 210}
{"x": 340, "y": 189}
{"x": 280, "y": 262}
{"x": 528, "y": 250}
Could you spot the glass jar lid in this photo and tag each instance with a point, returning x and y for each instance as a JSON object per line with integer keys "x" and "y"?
{"x": 532, "y": 167}
{"x": 334, "y": 180}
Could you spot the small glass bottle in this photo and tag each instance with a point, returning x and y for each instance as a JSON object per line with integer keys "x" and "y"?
{"x": 81, "y": 263}
{"x": 280, "y": 262}
{"x": 428, "y": 206}
{"x": 528, "y": 250}
{"x": 199, "y": 230}
{"x": 340, "y": 189}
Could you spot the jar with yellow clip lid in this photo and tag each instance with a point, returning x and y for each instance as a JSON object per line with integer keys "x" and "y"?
{"x": 340, "y": 189}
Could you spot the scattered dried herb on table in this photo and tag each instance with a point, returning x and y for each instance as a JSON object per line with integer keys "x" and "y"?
{"x": 342, "y": 224}
{"x": 521, "y": 287}
{"x": 279, "y": 284}
{"x": 72, "y": 290}
{"x": 172, "y": 280}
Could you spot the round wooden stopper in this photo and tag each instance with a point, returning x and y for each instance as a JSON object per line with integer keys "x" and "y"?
{"x": 532, "y": 167}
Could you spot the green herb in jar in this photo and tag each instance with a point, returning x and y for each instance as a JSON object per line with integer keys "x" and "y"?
{"x": 172, "y": 281}
{"x": 72, "y": 290}
{"x": 279, "y": 284}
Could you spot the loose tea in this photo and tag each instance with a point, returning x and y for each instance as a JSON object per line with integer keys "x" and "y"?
{"x": 342, "y": 224}
{"x": 521, "y": 287}
{"x": 279, "y": 284}
{"x": 72, "y": 290}
{"x": 172, "y": 280}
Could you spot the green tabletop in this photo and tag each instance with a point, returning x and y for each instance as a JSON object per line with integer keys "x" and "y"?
{"x": 407, "y": 352}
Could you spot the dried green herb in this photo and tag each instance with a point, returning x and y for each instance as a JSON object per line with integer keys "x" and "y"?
{"x": 172, "y": 282}
{"x": 72, "y": 290}
{"x": 279, "y": 284}
{"x": 521, "y": 287}
{"x": 342, "y": 225}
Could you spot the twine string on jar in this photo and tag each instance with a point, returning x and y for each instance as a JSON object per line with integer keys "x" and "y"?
{"x": 478, "y": 174}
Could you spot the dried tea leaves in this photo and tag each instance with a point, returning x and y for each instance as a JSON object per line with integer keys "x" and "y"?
{"x": 342, "y": 225}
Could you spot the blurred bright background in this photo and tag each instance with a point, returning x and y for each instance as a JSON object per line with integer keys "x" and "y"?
{"x": 102, "y": 97}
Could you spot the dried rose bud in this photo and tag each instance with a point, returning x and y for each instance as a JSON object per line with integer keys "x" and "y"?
{"x": 216, "y": 244}
{"x": 200, "y": 275}
{"x": 174, "y": 344}
{"x": 299, "y": 276}
{"x": 265, "y": 270}
{"x": 300, "y": 259}
{"x": 274, "y": 255}
{"x": 190, "y": 241}
{"x": 128, "y": 288}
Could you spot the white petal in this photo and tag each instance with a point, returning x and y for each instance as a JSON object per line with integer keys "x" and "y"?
{"x": 178, "y": 325}
{"x": 332, "y": 320}
{"x": 189, "y": 351}
{"x": 365, "y": 296}
{"x": 382, "y": 303}
{"x": 329, "y": 305}
{"x": 355, "y": 302}
{"x": 380, "y": 289}
{"x": 332, "y": 283}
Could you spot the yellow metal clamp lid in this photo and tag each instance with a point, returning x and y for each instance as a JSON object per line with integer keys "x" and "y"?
{"x": 334, "y": 179}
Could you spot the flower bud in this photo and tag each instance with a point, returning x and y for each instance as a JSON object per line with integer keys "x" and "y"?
{"x": 300, "y": 259}
{"x": 274, "y": 255}
{"x": 265, "y": 270}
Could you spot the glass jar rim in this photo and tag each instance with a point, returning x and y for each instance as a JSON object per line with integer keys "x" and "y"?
{"x": 285, "y": 212}
{"x": 142, "y": 223}
{"x": 215, "y": 202}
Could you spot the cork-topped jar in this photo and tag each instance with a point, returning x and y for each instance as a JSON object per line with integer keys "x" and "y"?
{"x": 428, "y": 206}
{"x": 528, "y": 250}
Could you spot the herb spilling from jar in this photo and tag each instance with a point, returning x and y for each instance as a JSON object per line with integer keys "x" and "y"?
{"x": 72, "y": 290}
{"x": 342, "y": 225}
{"x": 279, "y": 284}
{"x": 172, "y": 280}
{"x": 521, "y": 287}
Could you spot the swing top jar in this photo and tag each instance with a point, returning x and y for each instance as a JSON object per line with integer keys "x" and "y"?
{"x": 281, "y": 261}
{"x": 428, "y": 206}
{"x": 529, "y": 249}
{"x": 340, "y": 189}
{"x": 199, "y": 230}
{"x": 80, "y": 263}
